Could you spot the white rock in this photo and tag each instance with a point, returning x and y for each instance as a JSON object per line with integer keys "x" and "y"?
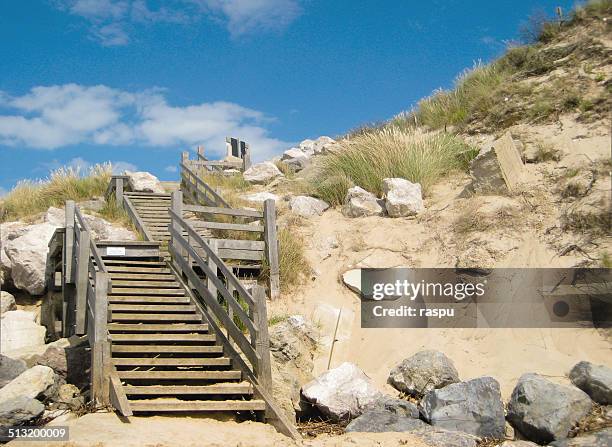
{"x": 341, "y": 393}
{"x": 294, "y": 152}
{"x": 359, "y": 202}
{"x": 322, "y": 143}
{"x": 56, "y": 216}
{"x": 307, "y": 206}
{"x": 262, "y": 173}
{"x": 30, "y": 384}
{"x": 7, "y": 302}
{"x": 103, "y": 230}
{"x": 145, "y": 182}
{"x": 352, "y": 280}
{"x": 28, "y": 255}
{"x": 402, "y": 197}
{"x": 260, "y": 197}
{"x": 19, "y": 331}
{"x": 307, "y": 146}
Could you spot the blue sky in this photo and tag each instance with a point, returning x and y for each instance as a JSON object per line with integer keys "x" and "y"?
{"x": 138, "y": 81}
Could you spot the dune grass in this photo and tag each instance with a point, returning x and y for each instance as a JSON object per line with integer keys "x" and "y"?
{"x": 32, "y": 197}
{"x": 392, "y": 152}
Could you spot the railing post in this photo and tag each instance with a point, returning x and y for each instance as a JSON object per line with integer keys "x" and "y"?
{"x": 246, "y": 157}
{"x": 100, "y": 353}
{"x": 119, "y": 191}
{"x": 262, "y": 343}
{"x": 177, "y": 206}
{"x": 69, "y": 242}
{"x": 201, "y": 153}
{"x": 67, "y": 265}
{"x": 213, "y": 244}
{"x": 271, "y": 238}
{"x": 82, "y": 279}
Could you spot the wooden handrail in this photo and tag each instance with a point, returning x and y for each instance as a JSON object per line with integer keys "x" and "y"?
{"x": 198, "y": 187}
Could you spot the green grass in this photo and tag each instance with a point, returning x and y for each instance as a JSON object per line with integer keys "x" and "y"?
{"x": 116, "y": 214}
{"x": 294, "y": 266}
{"x": 392, "y": 152}
{"x": 32, "y": 197}
{"x": 277, "y": 319}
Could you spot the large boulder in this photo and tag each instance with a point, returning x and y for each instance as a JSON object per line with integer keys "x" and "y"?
{"x": 341, "y": 393}
{"x": 380, "y": 421}
{"x": 144, "y": 182}
{"x": 18, "y": 330}
{"x": 487, "y": 176}
{"x": 359, "y": 202}
{"x": 473, "y": 407}
{"x": 28, "y": 257}
{"x": 518, "y": 444}
{"x": 595, "y": 380}
{"x": 31, "y": 383}
{"x": 307, "y": 206}
{"x": 293, "y": 339}
{"x": 19, "y": 410}
{"x": 10, "y": 368}
{"x": 599, "y": 438}
{"x": 318, "y": 146}
{"x": 262, "y": 173}
{"x": 294, "y": 152}
{"x": 438, "y": 437}
{"x": 7, "y": 302}
{"x": 544, "y": 411}
{"x": 402, "y": 198}
{"x": 423, "y": 372}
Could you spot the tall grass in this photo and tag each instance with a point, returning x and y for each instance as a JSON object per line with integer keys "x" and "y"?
{"x": 392, "y": 152}
{"x": 32, "y": 197}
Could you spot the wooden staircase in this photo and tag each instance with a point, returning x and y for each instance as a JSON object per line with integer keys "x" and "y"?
{"x": 166, "y": 355}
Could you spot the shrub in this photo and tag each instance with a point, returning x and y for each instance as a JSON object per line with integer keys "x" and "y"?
{"x": 528, "y": 59}
{"x": 32, "y": 197}
{"x": 368, "y": 159}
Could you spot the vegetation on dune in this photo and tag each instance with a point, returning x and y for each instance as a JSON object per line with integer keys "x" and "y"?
{"x": 32, "y": 197}
{"x": 391, "y": 152}
{"x": 292, "y": 260}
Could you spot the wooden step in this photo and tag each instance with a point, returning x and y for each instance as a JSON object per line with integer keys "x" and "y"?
{"x": 142, "y": 276}
{"x": 217, "y": 388}
{"x": 209, "y": 338}
{"x": 165, "y": 349}
{"x": 168, "y": 405}
{"x": 161, "y": 284}
{"x": 145, "y": 299}
{"x": 156, "y": 317}
{"x": 178, "y": 375}
{"x": 142, "y": 291}
{"x": 152, "y": 308}
{"x": 140, "y": 270}
{"x": 145, "y": 263}
{"x": 152, "y": 327}
{"x": 175, "y": 361}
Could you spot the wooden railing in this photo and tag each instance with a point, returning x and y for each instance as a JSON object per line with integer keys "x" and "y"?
{"x": 85, "y": 288}
{"x": 234, "y": 147}
{"x": 196, "y": 188}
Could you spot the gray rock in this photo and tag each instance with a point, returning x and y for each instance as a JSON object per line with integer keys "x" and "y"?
{"x": 379, "y": 421}
{"x": 145, "y": 182}
{"x": 18, "y": 410}
{"x": 291, "y": 338}
{"x": 437, "y": 437}
{"x": 297, "y": 164}
{"x": 595, "y": 380}
{"x": 262, "y": 173}
{"x": 359, "y": 203}
{"x": 402, "y": 198}
{"x": 18, "y": 331}
{"x": 394, "y": 405}
{"x": 518, "y": 444}
{"x": 423, "y": 372}
{"x": 599, "y": 438}
{"x": 69, "y": 397}
{"x": 473, "y": 407}
{"x": 544, "y": 411}
{"x": 31, "y": 383}
{"x": 307, "y": 206}
{"x": 10, "y": 368}
{"x": 341, "y": 393}
{"x": 7, "y": 302}
{"x": 487, "y": 177}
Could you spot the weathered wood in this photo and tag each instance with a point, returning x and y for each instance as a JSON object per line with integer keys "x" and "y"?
{"x": 177, "y": 207}
{"x": 148, "y": 299}
{"x": 118, "y": 398}
{"x": 168, "y": 349}
{"x": 82, "y": 280}
{"x": 136, "y": 219}
{"x": 174, "y": 361}
{"x": 162, "y": 284}
{"x": 152, "y": 327}
{"x": 69, "y": 241}
{"x": 123, "y": 307}
{"x": 262, "y": 343}
{"x": 119, "y": 191}
{"x": 228, "y": 226}
{"x": 216, "y": 163}
{"x": 246, "y": 157}
{"x": 99, "y": 379}
{"x": 195, "y": 405}
{"x": 224, "y": 211}
{"x": 510, "y": 163}
{"x": 246, "y": 255}
{"x": 238, "y": 244}
{"x": 208, "y": 338}
{"x": 217, "y": 388}
{"x": 271, "y": 239}
{"x": 211, "y": 275}
{"x": 207, "y": 375}
{"x": 134, "y": 291}
{"x": 156, "y": 317}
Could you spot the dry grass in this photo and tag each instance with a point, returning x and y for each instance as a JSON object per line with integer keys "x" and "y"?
{"x": 32, "y": 197}
{"x": 472, "y": 220}
{"x": 294, "y": 266}
{"x": 116, "y": 214}
{"x": 367, "y": 159}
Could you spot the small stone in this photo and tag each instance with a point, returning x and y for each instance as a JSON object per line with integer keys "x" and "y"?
{"x": 307, "y": 206}
{"x": 402, "y": 198}
{"x": 7, "y": 302}
{"x": 359, "y": 203}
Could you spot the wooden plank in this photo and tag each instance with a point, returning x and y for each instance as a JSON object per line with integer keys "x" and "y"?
{"x": 211, "y": 274}
{"x": 228, "y": 226}
{"x": 136, "y": 219}
{"x": 206, "y": 338}
{"x": 173, "y": 405}
{"x": 223, "y": 211}
{"x": 262, "y": 343}
{"x": 271, "y": 240}
{"x": 158, "y": 308}
{"x": 82, "y": 280}
{"x": 69, "y": 243}
{"x": 156, "y": 317}
{"x": 167, "y": 349}
{"x": 151, "y": 270}
{"x": 142, "y": 276}
{"x": 217, "y": 388}
{"x": 216, "y": 163}
{"x": 147, "y": 299}
{"x": 189, "y": 375}
{"x": 147, "y": 194}
{"x": 172, "y": 361}
{"x": 139, "y": 262}
{"x": 211, "y": 302}
{"x": 238, "y": 244}
{"x": 118, "y": 398}
{"x": 152, "y": 327}
{"x": 135, "y": 291}
{"x": 161, "y": 284}
{"x": 509, "y": 159}
{"x": 99, "y": 378}
{"x": 245, "y": 255}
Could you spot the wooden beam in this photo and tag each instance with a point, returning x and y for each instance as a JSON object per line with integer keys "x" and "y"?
{"x": 271, "y": 239}
{"x": 262, "y": 341}
{"x": 82, "y": 280}
{"x": 223, "y": 210}
{"x": 118, "y": 398}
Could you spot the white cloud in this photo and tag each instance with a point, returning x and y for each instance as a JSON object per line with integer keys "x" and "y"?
{"x": 119, "y": 167}
{"x": 111, "y": 21}
{"x": 171, "y": 168}
{"x": 62, "y": 115}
